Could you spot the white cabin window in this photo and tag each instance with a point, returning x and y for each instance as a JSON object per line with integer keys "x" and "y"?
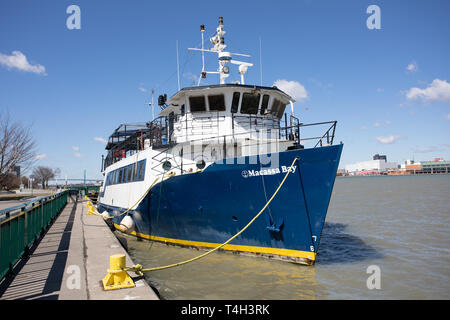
{"x": 250, "y": 103}
{"x": 276, "y": 104}
{"x": 264, "y": 104}
{"x": 216, "y": 102}
{"x": 197, "y": 104}
{"x": 235, "y": 102}
{"x": 281, "y": 110}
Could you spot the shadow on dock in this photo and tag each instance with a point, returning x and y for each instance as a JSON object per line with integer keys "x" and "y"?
{"x": 337, "y": 246}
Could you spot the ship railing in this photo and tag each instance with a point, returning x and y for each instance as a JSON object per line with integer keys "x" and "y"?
{"x": 293, "y": 132}
{"x": 21, "y": 226}
{"x": 256, "y": 142}
{"x": 162, "y": 134}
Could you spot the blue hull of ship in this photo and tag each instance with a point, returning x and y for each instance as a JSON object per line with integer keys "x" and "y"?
{"x": 215, "y": 204}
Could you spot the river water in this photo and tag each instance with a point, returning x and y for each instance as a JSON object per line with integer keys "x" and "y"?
{"x": 400, "y": 225}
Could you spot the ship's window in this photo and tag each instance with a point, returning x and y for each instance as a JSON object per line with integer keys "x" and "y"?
{"x": 120, "y": 176}
{"x": 235, "y": 102}
{"x": 141, "y": 171}
{"x": 116, "y": 176}
{"x": 129, "y": 171}
{"x": 216, "y": 102}
{"x": 275, "y": 107}
{"x": 281, "y": 110}
{"x": 113, "y": 177}
{"x": 264, "y": 104}
{"x": 124, "y": 175}
{"x": 183, "y": 110}
{"x": 132, "y": 173}
{"x": 250, "y": 102}
{"x": 197, "y": 104}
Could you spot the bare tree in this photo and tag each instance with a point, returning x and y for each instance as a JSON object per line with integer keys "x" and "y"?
{"x": 10, "y": 181}
{"x": 17, "y": 147}
{"x": 43, "y": 174}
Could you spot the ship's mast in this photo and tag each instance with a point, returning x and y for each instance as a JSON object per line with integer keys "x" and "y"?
{"x": 224, "y": 57}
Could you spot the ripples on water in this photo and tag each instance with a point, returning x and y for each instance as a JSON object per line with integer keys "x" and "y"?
{"x": 401, "y": 224}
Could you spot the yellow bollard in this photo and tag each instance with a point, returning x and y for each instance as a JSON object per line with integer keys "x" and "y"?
{"x": 117, "y": 278}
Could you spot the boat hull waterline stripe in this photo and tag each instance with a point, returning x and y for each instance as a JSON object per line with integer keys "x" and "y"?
{"x": 229, "y": 247}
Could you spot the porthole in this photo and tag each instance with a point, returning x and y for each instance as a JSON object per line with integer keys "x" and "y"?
{"x": 200, "y": 164}
{"x": 166, "y": 165}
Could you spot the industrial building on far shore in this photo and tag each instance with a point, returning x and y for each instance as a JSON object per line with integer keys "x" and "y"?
{"x": 380, "y": 166}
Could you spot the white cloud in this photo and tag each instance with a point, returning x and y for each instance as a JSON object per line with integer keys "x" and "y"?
{"x": 78, "y": 155}
{"x": 18, "y": 61}
{"x": 388, "y": 122}
{"x": 363, "y": 127}
{"x": 377, "y": 124}
{"x": 447, "y": 116}
{"x": 389, "y": 139}
{"x": 99, "y": 139}
{"x": 412, "y": 67}
{"x": 75, "y": 148}
{"x": 142, "y": 89}
{"x": 380, "y": 90}
{"x": 438, "y": 90}
{"x": 40, "y": 156}
{"x": 292, "y": 88}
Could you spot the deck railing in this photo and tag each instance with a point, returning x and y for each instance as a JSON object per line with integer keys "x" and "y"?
{"x": 21, "y": 226}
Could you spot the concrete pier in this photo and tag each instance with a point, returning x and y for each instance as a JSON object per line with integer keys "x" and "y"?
{"x": 69, "y": 262}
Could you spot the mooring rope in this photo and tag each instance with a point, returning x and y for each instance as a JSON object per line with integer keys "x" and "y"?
{"x": 138, "y": 269}
{"x": 95, "y": 212}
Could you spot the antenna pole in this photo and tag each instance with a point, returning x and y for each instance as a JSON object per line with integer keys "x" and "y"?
{"x": 202, "y": 31}
{"x": 260, "y": 61}
{"x": 153, "y": 106}
{"x": 178, "y": 69}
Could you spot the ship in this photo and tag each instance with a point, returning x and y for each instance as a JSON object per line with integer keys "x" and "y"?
{"x": 213, "y": 158}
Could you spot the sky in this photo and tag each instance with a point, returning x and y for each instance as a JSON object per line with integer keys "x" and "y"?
{"x": 383, "y": 75}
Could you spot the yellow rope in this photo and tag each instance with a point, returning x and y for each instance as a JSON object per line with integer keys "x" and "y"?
{"x": 138, "y": 268}
{"x": 145, "y": 193}
{"x": 95, "y": 212}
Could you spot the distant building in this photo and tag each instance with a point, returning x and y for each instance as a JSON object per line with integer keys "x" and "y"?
{"x": 439, "y": 166}
{"x": 426, "y": 167}
{"x": 378, "y": 165}
{"x": 380, "y": 157}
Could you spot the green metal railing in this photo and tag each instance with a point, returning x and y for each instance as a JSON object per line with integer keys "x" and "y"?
{"x": 21, "y": 226}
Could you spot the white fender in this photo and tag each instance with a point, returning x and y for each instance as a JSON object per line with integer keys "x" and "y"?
{"x": 127, "y": 224}
{"x": 106, "y": 215}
